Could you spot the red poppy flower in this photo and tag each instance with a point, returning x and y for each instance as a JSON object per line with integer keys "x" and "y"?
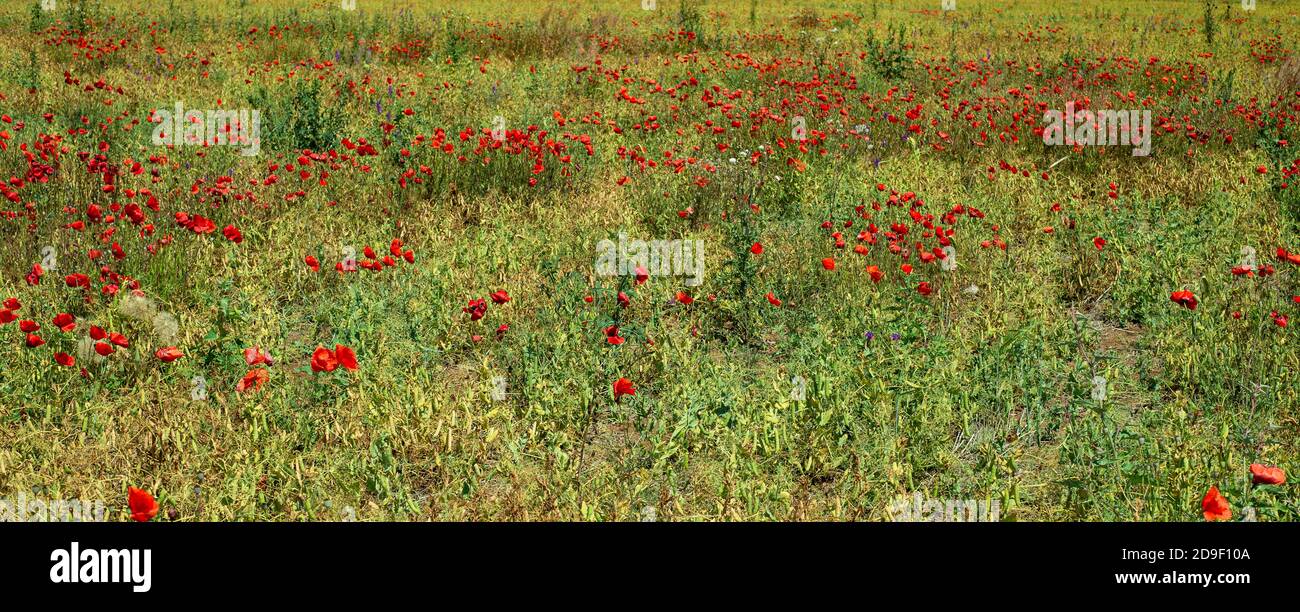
{"x": 142, "y": 504}
{"x": 612, "y": 337}
{"x": 641, "y": 275}
{"x": 1215, "y": 506}
{"x": 119, "y": 340}
{"x": 500, "y": 297}
{"x": 253, "y": 380}
{"x": 29, "y": 326}
{"x": 685, "y": 298}
{"x": 97, "y": 333}
{"x": 924, "y": 288}
{"x": 771, "y": 298}
{"x": 312, "y": 263}
{"x": 323, "y": 360}
{"x": 13, "y": 304}
{"x": 875, "y": 273}
{"x": 623, "y": 387}
{"x": 1281, "y": 254}
{"x": 756, "y": 248}
{"x": 1261, "y": 474}
{"x": 623, "y": 300}
{"x": 1099, "y": 242}
{"x": 65, "y": 360}
{"x": 104, "y": 349}
{"x": 168, "y": 354}
{"x": 254, "y": 355}
{"x": 232, "y": 234}
{"x": 34, "y": 341}
{"x": 476, "y": 309}
{"x": 203, "y": 225}
{"x": 1184, "y": 298}
{"x": 65, "y": 322}
{"x": 345, "y": 356}
{"x": 7, "y": 316}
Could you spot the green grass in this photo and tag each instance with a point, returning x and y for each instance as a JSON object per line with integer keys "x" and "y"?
{"x": 984, "y": 394}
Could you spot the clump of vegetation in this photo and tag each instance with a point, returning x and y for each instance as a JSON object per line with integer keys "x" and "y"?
{"x": 889, "y": 56}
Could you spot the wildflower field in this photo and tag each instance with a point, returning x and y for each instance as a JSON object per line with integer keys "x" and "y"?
{"x": 628, "y": 260}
